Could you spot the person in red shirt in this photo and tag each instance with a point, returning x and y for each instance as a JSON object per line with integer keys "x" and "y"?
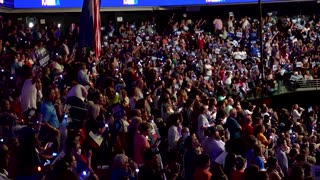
{"x": 240, "y": 167}
{"x": 200, "y": 43}
{"x": 222, "y": 73}
{"x": 247, "y": 128}
{"x": 203, "y": 165}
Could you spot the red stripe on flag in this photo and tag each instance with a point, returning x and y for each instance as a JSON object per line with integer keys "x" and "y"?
{"x": 96, "y": 27}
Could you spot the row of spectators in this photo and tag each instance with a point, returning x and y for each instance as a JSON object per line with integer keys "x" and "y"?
{"x": 158, "y": 105}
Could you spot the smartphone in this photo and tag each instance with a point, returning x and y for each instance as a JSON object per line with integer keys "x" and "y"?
{"x": 157, "y": 143}
{"x": 32, "y": 113}
{"x": 47, "y": 163}
{"x": 48, "y": 145}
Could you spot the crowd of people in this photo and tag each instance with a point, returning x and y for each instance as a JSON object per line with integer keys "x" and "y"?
{"x": 159, "y": 105}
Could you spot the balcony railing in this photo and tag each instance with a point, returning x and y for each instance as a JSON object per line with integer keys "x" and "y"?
{"x": 307, "y": 85}
{"x": 289, "y": 87}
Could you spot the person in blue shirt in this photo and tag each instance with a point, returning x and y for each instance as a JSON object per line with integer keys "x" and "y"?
{"x": 49, "y": 113}
{"x": 255, "y": 50}
{"x": 258, "y": 159}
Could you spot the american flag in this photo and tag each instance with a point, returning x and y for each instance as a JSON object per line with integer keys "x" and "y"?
{"x": 91, "y": 24}
{"x": 97, "y": 27}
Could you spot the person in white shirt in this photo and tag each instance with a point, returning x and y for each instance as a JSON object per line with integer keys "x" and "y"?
{"x": 203, "y": 123}
{"x": 228, "y": 81}
{"x": 296, "y": 112}
{"x": 83, "y": 77}
{"x": 308, "y": 76}
{"x": 78, "y": 91}
{"x": 230, "y": 24}
{"x": 245, "y": 23}
{"x": 218, "y": 25}
{"x": 133, "y": 100}
{"x": 65, "y": 47}
{"x": 222, "y": 157}
{"x": 28, "y": 97}
{"x": 208, "y": 68}
{"x": 213, "y": 145}
{"x": 173, "y": 134}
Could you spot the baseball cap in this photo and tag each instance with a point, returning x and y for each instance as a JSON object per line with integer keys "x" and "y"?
{"x": 247, "y": 112}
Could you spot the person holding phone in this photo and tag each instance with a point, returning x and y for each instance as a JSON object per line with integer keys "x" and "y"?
{"x": 49, "y": 114}
{"x": 141, "y": 143}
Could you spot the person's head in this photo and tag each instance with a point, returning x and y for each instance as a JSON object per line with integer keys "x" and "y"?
{"x": 282, "y": 144}
{"x": 83, "y": 66}
{"x": 297, "y": 173}
{"x": 121, "y": 161}
{"x": 57, "y": 93}
{"x": 251, "y": 172}
{"x": 257, "y": 150}
{"x": 70, "y": 161}
{"x": 203, "y": 161}
{"x": 293, "y": 153}
{"x": 262, "y": 175}
{"x": 27, "y": 138}
{"x": 203, "y": 109}
{"x": 190, "y": 142}
{"x": 300, "y": 159}
{"x": 124, "y": 93}
{"x": 259, "y": 128}
{"x": 46, "y": 71}
{"x": 6, "y": 106}
{"x": 185, "y": 132}
{"x": 295, "y": 106}
{"x": 49, "y": 94}
{"x": 110, "y": 92}
{"x": 252, "y": 141}
{"x": 240, "y": 163}
{"x": 39, "y": 85}
{"x": 230, "y": 101}
{"x": 233, "y": 113}
{"x": 214, "y": 133}
{"x": 144, "y": 128}
{"x": 174, "y": 119}
{"x": 136, "y": 113}
{"x": 272, "y": 163}
{"x": 135, "y": 122}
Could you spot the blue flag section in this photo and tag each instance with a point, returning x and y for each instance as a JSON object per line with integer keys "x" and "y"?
{"x": 86, "y": 25}
{"x": 90, "y": 26}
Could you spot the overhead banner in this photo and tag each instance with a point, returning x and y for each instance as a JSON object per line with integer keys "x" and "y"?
{"x": 128, "y": 3}
{"x": 6, "y": 3}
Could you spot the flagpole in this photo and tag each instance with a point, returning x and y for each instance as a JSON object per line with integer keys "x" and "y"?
{"x": 261, "y": 38}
